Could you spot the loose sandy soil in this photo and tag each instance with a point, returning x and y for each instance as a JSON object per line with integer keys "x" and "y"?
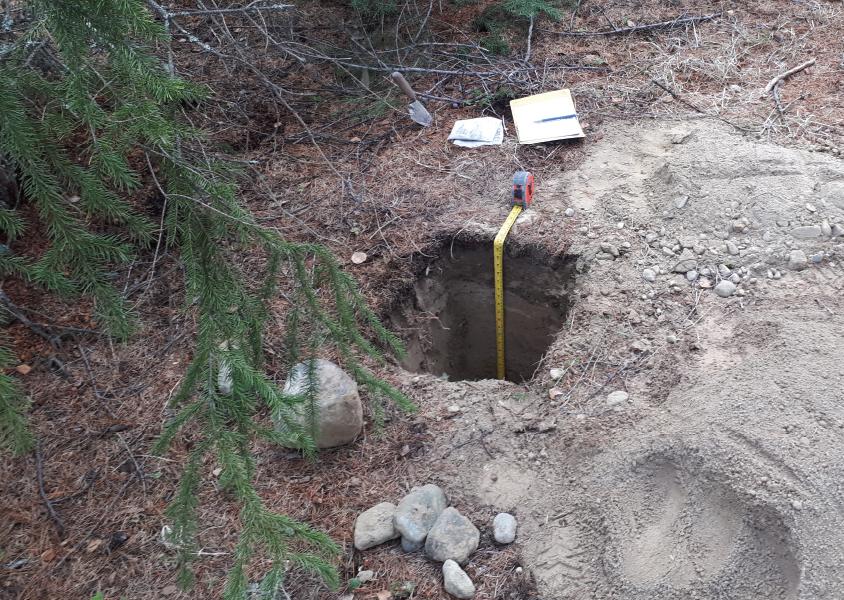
{"x": 720, "y": 477}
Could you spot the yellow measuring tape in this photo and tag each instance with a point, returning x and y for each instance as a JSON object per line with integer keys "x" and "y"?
{"x": 498, "y": 260}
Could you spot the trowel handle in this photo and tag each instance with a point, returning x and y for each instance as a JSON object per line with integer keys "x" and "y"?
{"x": 404, "y": 86}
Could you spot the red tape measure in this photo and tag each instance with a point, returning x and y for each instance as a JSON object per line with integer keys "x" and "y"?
{"x": 522, "y": 189}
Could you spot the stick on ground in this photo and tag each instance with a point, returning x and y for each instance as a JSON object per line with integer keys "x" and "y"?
{"x": 39, "y": 473}
{"x": 789, "y": 73}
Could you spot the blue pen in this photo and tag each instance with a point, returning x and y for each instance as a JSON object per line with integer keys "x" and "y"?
{"x": 560, "y": 118}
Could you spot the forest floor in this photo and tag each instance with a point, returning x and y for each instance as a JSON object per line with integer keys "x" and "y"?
{"x": 723, "y": 464}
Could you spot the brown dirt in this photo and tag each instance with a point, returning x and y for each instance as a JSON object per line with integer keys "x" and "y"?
{"x": 728, "y": 430}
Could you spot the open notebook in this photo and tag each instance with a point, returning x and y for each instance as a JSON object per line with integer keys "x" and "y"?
{"x": 546, "y": 117}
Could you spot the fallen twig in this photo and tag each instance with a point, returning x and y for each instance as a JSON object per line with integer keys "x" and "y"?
{"x": 771, "y": 84}
{"x": 682, "y": 100}
{"x": 637, "y": 28}
{"x": 529, "y": 37}
{"x": 39, "y": 474}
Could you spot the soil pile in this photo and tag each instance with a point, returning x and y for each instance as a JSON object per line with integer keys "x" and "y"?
{"x": 721, "y": 476}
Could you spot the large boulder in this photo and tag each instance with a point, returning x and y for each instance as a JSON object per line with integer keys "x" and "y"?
{"x": 375, "y": 526}
{"x": 339, "y": 413}
{"x": 417, "y": 513}
{"x": 452, "y": 537}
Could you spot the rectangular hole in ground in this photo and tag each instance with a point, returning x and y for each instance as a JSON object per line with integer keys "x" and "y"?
{"x": 447, "y": 319}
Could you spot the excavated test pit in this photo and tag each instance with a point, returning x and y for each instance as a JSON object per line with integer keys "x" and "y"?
{"x": 448, "y": 318}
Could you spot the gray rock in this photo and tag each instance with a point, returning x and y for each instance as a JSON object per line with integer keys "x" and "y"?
{"x": 411, "y": 547}
{"x": 687, "y": 262}
{"x": 569, "y": 212}
{"x": 418, "y": 511}
{"x": 617, "y": 397}
{"x": 817, "y": 258}
{"x": 339, "y": 417}
{"x": 797, "y": 260}
{"x": 375, "y": 526}
{"x": 649, "y": 275}
{"x": 452, "y": 537}
{"x": 699, "y": 249}
{"x": 651, "y": 238}
{"x": 691, "y": 275}
{"x": 735, "y": 278}
{"x": 610, "y": 249}
{"x": 806, "y": 232}
{"x": 826, "y": 229}
{"x": 366, "y": 576}
{"x": 456, "y": 582}
{"x": 504, "y": 528}
{"x": 732, "y": 248}
{"x": 681, "y": 201}
{"x": 837, "y": 230}
{"x": 725, "y": 289}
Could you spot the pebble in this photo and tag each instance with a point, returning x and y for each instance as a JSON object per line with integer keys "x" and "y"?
{"x": 837, "y": 230}
{"x": 806, "y": 232}
{"x": 811, "y": 207}
{"x": 797, "y": 260}
{"x": 681, "y": 201}
{"x": 826, "y": 229}
{"x": 797, "y": 504}
{"x": 705, "y": 283}
{"x": 617, "y": 397}
{"x": 556, "y": 373}
{"x": 569, "y": 212}
{"x": 610, "y": 249}
{"x": 671, "y": 338}
{"x": 732, "y": 249}
{"x": 456, "y": 582}
{"x": 699, "y": 249}
{"x": 817, "y": 258}
{"x": 725, "y": 289}
{"x": 366, "y": 576}
{"x": 687, "y": 262}
{"x": 504, "y": 528}
{"x": 692, "y": 275}
{"x": 649, "y": 275}
{"x": 735, "y": 278}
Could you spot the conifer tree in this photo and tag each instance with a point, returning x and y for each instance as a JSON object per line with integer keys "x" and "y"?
{"x": 81, "y": 90}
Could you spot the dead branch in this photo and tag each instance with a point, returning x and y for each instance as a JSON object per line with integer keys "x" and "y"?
{"x": 221, "y": 11}
{"x": 14, "y": 310}
{"x": 771, "y": 84}
{"x": 529, "y": 37}
{"x": 638, "y": 28}
{"x": 39, "y": 474}
{"x": 682, "y": 100}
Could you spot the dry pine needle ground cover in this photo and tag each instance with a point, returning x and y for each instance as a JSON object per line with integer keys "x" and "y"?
{"x": 391, "y": 190}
